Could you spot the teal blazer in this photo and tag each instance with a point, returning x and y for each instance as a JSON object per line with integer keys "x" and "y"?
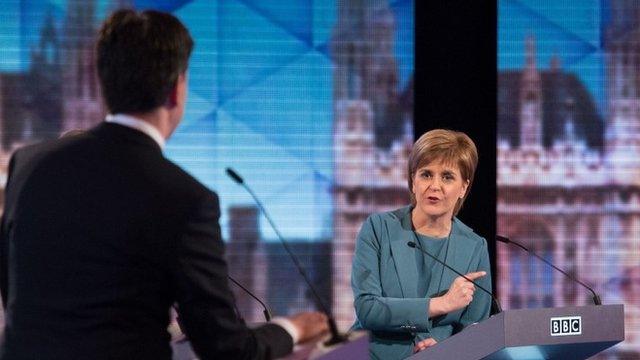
{"x": 384, "y": 279}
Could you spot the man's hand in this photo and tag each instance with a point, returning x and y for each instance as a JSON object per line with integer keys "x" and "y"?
{"x": 460, "y": 294}
{"x": 424, "y": 344}
{"x": 310, "y": 325}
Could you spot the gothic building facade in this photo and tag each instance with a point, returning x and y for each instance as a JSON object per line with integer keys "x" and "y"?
{"x": 569, "y": 181}
{"x": 265, "y": 269}
{"x": 60, "y": 90}
{"x": 372, "y": 133}
{"x": 31, "y": 102}
{"x": 83, "y": 106}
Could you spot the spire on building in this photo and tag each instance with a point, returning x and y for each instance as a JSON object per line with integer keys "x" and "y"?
{"x": 530, "y": 44}
{"x": 44, "y": 85}
{"x": 83, "y": 106}
{"x": 530, "y": 100}
{"x": 569, "y": 125}
{"x": 622, "y": 136}
{"x": 365, "y": 66}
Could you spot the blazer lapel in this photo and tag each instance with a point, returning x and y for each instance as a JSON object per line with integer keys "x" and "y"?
{"x": 462, "y": 248}
{"x": 404, "y": 256}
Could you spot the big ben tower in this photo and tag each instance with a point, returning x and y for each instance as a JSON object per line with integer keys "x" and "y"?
{"x": 82, "y": 101}
{"x": 371, "y": 142}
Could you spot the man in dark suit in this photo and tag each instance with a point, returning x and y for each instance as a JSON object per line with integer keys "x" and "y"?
{"x": 101, "y": 234}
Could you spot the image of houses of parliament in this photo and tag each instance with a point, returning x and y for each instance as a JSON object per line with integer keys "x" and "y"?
{"x": 373, "y": 135}
{"x": 372, "y": 132}
{"x": 58, "y": 92}
{"x": 569, "y": 182}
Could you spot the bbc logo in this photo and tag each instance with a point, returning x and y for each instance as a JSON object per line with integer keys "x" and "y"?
{"x": 567, "y": 325}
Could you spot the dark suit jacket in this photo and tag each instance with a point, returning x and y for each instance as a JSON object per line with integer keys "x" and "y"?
{"x": 100, "y": 236}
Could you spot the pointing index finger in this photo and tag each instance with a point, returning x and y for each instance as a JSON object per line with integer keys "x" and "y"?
{"x": 476, "y": 275}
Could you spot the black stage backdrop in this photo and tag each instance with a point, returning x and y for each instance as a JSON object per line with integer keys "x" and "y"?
{"x": 455, "y": 88}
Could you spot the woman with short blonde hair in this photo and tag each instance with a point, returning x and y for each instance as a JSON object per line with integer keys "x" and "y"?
{"x": 403, "y": 297}
{"x": 448, "y": 146}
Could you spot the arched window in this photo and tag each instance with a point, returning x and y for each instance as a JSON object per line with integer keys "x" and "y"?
{"x": 547, "y": 274}
{"x": 515, "y": 283}
{"x": 352, "y": 76}
{"x": 532, "y": 280}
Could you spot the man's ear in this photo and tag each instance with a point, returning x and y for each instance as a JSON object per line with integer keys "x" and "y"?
{"x": 174, "y": 95}
{"x": 172, "y": 99}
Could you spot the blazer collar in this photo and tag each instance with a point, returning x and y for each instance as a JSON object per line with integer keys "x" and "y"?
{"x": 122, "y": 134}
{"x": 138, "y": 124}
{"x": 458, "y": 255}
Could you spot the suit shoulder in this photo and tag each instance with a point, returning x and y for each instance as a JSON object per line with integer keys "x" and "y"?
{"x": 377, "y": 219}
{"x": 393, "y": 215}
{"x": 388, "y": 221}
{"x": 35, "y": 154}
{"x": 31, "y": 150}
{"x": 468, "y": 234}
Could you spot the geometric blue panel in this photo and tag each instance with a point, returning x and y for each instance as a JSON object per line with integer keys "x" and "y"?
{"x": 200, "y": 17}
{"x": 581, "y": 18}
{"x": 294, "y": 16}
{"x": 10, "y": 29}
{"x": 403, "y": 39}
{"x": 324, "y": 19}
{"x": 518, "y": 22}
{"x": 250, "y": 48}
{"x": 592, "y": 71}
{"x": 269, "y": 169}
{"x": 292, "y": 108}
{"x": 192, "y": 146}
{"x": 197, "y": 109}
{"x": 161, "y": 5}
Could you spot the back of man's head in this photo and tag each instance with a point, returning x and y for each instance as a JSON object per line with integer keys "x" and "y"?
{"x": 139, "y": 59}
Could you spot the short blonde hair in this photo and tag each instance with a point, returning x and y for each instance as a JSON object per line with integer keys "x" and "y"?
{"x": 450, "y": 147}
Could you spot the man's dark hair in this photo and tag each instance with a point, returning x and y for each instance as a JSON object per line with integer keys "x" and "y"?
{"x": 139, "y": 59}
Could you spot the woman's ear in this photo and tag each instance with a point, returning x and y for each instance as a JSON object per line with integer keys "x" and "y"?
{"x": 465, "y": 186}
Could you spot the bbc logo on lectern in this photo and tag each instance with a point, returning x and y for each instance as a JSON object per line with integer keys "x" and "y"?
{"x": 567, "y": 325}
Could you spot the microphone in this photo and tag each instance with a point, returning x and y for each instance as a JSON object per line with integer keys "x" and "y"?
{"x": 506, "y": 240}
{"x": 234, "y": 175}
{"x": 495, "y": 304}
{"x": 336, "y": 337}
{"x": 266, "y": 312}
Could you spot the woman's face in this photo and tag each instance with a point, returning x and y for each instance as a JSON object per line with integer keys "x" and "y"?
{"x": 437, "y": 188}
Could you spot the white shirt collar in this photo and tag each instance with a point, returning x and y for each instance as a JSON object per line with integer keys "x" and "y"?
{"x": 140, "y": 125}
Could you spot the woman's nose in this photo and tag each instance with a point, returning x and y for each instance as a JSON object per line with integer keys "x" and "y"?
{"x": 434, "y": 183}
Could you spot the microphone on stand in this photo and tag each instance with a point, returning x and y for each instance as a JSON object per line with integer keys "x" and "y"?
{"x": 265, "y": 311}
{"x": 336, "y": 337}
{"x": 495, "y": 304}
{"x": 506, "y": 240}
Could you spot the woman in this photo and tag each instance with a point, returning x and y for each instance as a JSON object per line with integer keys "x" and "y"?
{"x": 406, "y": 299}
